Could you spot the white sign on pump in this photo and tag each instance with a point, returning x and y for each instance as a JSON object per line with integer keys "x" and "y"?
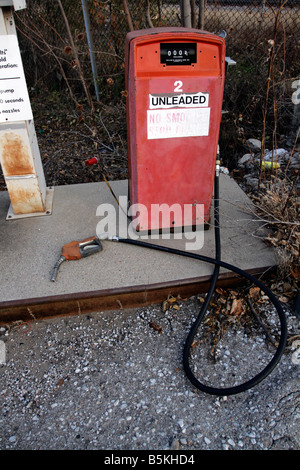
{"x": 183, "y": 100}
{"x": 180, "y": 122}
{"x": 14, "y": 98}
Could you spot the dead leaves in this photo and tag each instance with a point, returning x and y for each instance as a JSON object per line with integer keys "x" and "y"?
{"x": 246, "y": 307}
{"x": 234, "y": 308}
{"x": 254, "y": 293}
{"x": 285, "y": 239}
{"x": 295, "y": 273}
{"x": 172, "y": 303}
{"x": 156, "y": 327}
{"x": 236, "y": 301}
{"x": 237, "y": 307}
{"x": 230, "y": 302}
{"x": 284, "y": 290}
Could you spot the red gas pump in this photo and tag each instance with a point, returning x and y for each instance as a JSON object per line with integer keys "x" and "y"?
{"x": 174, "y": 82}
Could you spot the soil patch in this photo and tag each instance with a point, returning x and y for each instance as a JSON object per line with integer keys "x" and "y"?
{"x": 68, "y": 139}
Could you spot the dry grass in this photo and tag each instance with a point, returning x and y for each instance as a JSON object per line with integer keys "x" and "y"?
{"x": 278, "y": 206}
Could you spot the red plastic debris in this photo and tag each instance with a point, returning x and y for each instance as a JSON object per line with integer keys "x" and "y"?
{"x": 91, "y": 161}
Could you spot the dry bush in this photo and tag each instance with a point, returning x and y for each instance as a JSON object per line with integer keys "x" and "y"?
{"x": 278, "y": 207}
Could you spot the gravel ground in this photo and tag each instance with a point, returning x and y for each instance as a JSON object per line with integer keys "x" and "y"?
{"x": 114, "y": 381}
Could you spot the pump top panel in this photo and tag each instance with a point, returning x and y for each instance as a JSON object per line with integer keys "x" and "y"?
{"x": 174, "y": 82}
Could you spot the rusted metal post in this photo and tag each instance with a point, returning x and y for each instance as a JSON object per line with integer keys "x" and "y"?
{"x": 19, "y": 152}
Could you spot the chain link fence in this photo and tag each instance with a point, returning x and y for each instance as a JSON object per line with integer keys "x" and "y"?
{"x": 43, "y": 33}
{"x": 263, "y": 37}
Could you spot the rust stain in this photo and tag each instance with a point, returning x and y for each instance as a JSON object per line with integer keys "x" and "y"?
{"x": 15, "y": 158}
{"x": 26, "y": 199}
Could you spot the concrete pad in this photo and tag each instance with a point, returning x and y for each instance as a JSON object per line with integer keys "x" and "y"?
{"x": 31, "y": 246}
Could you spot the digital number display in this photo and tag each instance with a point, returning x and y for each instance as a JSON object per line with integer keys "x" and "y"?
{"x": 178, "y": 53}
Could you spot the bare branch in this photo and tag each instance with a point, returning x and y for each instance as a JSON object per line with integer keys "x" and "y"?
{"x": 128, "y": 15}
{"x": 75, "y": 53}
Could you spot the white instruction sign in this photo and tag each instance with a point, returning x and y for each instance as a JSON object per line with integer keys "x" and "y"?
{"x": 14, "y": 98}
{"x": 179, "y": 122}
{"x": 184, "y": 100}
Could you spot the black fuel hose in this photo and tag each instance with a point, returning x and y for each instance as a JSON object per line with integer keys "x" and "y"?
{"x": 218, "y": 264}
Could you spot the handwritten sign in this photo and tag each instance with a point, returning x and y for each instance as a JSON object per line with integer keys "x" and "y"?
{"x": 180, "y": 122}
{"x": 14, "y": 98}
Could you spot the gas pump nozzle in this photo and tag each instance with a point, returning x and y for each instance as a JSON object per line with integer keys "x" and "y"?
{"x": 77, "y": 250}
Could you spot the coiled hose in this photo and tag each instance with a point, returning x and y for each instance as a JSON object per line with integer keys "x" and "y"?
{"x": 218, "y": 264}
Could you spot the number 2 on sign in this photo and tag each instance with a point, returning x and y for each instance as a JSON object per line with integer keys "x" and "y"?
{"x": 178, "y": 85}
